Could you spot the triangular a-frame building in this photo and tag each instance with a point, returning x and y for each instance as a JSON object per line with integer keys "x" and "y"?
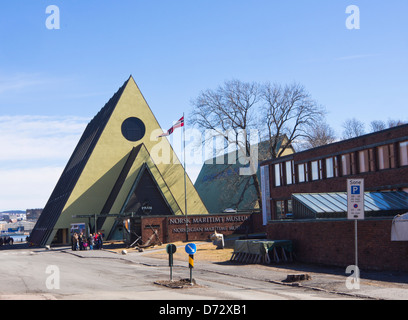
{"x": 119, "y": 165}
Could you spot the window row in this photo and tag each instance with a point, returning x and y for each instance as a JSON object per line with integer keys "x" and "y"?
{"x": 286, "y": 173}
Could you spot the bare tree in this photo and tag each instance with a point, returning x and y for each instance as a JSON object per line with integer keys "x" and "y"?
{"x": 275, "y": 110}
{"x": 395, "y": 123}
{"x": 377, "y": 125}
{"x": 231, "y": 106}
{"x": 289, "y": 110}
{"x": 353, "y": 128}
{"x": 319, "y": 135}
{"x": 229, "y": 112}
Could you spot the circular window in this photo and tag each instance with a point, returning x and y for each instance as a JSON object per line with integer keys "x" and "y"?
{"x": 133, "y": 129}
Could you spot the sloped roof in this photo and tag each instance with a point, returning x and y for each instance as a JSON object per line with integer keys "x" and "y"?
{"x": 220, "y": 186}
{"x": 72, "y": 171}
{"x": 327, "y": 204}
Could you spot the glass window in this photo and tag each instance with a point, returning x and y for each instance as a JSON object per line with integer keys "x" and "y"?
{"x": 290, "y": 210}
{"x": 280, "y": 209}
{"x": 345, "y": 163}
{"x": 277, "y": 175}
{"x": 403, "y": 151}
{"x": 348, "y": 164}
{"x": 383, "y": 158}
{"x": 301, "y": 173}
{"x": 315, "y": 170}
{"x": 386, "y": 157}
{"x": 363, "y": 161}
{"x": 366, "y": 160}
{"x": 289, "y": 172}
{"x": 329, "y": 168}
{"x": 332, "y": 169}
{"x": 283, "y": 209}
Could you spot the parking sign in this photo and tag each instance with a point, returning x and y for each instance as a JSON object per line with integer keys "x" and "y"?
{"x": 355, "y": 199}
{"x": 355, "y": 190}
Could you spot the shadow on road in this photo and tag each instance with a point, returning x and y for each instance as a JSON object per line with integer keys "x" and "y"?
{"x": 298, "y": 267}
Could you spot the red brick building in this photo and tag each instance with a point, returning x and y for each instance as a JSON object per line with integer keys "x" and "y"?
{"x": 380, "y": 158}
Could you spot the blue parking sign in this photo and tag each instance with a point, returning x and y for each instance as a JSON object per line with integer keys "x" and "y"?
{"x": 355, "y": 199}
{"x": 355, "y": 189}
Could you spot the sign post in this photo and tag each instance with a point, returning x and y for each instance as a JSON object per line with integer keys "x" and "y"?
{"x": 171, "y": 249}
{"x": 191, "y": 266}
{"x": 191, "y": 249}
{"x": 355, "y": 206}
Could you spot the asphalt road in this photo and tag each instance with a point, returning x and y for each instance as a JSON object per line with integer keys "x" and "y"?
{"x": 61, "y": 274}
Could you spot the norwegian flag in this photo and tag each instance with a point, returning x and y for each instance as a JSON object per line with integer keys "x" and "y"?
{"x": 178, "y": 124}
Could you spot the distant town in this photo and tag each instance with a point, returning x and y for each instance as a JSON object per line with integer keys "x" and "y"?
{"x": 18, "y": 223}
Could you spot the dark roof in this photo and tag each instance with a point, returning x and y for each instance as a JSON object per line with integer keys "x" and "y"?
{"x": 220, "y": 186}
{"x": 72, "y": 171}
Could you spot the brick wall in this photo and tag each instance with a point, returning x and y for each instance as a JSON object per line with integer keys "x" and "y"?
{"x": 201, "y": 227}
{"x": 393, "y": 178}
{"x": 332, "y": 243}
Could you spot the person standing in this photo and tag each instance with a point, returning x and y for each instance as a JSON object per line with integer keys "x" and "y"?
{"x": 91, "y": 241}
{"x": 74, "y": 240}
{"x": 96, "y": 245}
{"x": 81, "y": 241}
{"x": 100, "y": 240}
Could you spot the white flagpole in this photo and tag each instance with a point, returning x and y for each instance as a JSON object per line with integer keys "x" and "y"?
{"x": 185, "y": 179}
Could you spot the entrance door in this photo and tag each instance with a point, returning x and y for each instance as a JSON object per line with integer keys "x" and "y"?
{"x": 135, "y": 230}
{"x": 147, "y": 199}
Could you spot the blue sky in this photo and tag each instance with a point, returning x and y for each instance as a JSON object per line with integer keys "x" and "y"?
{"x": 52, "y": 82}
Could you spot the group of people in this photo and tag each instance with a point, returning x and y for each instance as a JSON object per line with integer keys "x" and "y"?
{"x": 81, "y": 242}
{"x": 6, "y": 240}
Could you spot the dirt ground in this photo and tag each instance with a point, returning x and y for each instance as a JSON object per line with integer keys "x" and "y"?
{"x": 206, "y": 251}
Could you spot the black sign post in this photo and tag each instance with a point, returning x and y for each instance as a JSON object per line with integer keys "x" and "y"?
{"x": 171, "y": 249}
